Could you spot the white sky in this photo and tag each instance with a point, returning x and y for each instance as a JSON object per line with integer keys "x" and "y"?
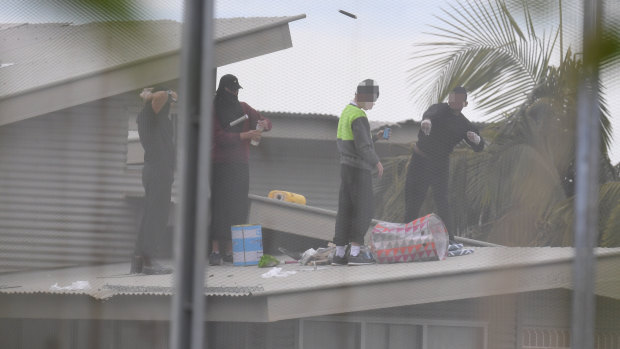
{"x": 331, "y": 52}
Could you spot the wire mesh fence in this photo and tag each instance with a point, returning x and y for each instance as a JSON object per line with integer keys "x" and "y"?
{"x": 371, "y": 118}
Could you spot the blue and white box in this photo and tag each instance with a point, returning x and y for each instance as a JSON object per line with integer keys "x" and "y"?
{"x": 247, "y": 243}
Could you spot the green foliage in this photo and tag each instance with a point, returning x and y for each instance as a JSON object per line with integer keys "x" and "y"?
{"x": 556, "y": 226}
{"x": 105, "y": 10}
{"x": 390, "y": 190}
{"x": 609, "y": 215}
{"x": 519, "y": 190}
{"x": 267, "y": 261}
{"x": 484, "y": 49}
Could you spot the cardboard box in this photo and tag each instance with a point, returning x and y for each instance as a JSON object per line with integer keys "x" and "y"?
{"x": 247, "y": 242}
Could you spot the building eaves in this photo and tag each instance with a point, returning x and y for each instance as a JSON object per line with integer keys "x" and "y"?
{"x": 299, "y": 115}
{"x": 230, "y": 28}
{"x": 325, "y": 290}
{"x": 45, "y": 54}
{"x": 110, "y": 280}
{"x": 59, "y": 66}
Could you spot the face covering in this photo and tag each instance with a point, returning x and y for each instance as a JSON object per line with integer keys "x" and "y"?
{"x": 227, "y": 109}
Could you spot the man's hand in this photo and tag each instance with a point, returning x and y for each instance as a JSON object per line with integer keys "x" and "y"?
{"x": 473, "y": 137}
{"x": 251, "y": 134}
{"x": 262, "y": 123}
{"x": 425, "y": 126}
{"x": 380, "y": 169}
{"x": 146, "y": 92}
{"x": 380, "y": 134}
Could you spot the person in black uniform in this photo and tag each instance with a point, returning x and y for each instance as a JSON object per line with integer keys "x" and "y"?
{"x": 443, "y": 126}
{"x": 155, "y": 129}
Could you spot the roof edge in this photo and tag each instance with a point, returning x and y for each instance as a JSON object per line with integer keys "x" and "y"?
{"x": 282, "y": 21}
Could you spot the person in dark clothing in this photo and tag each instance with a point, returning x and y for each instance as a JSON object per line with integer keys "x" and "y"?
{"x": 155, "y": 129}
{"x": 443, "y": 126}
{"x": 235, "y": 124}
{"x": 357, "y": 161}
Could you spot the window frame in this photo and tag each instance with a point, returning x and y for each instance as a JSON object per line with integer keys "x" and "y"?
{"x": 389, "y": 320}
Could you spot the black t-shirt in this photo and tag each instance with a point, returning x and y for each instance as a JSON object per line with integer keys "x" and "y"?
{"x": 447, "y": 130}
{"x": 156, "y": 135}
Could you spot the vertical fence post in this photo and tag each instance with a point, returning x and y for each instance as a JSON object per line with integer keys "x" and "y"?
{"x": 190, "y": 234}
{"x": 586, "y": 186}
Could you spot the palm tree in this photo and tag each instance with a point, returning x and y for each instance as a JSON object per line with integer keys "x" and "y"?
{"x": 484, "y": 48}
{"x": 514, "y": 192}
{"x": 529, "y": 170}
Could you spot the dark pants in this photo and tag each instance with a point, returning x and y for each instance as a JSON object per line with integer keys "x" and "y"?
{"x": 157, "y": 182}
{"x": 422, "y": 173}
{"x": 355, "y": 205}
{"x": 229, "y": 198}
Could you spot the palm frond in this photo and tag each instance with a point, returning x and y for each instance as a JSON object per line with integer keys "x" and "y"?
{"x": 558, "y": 220}
{"x": 610, "y": 233}
{"x": 482, "y": 47}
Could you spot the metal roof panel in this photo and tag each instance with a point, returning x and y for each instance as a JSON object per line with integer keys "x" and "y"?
{"x": 109, "y": 280}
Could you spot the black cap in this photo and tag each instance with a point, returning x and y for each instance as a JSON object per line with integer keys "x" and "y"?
{"x": 229, "y": 81}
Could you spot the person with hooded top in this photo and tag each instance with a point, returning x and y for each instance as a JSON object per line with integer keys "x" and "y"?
{"x": 155, "y": 129}
{"x": 234, "y": 127}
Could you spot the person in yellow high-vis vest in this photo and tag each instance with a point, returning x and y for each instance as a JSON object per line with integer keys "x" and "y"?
{"x": 357, "y": 161}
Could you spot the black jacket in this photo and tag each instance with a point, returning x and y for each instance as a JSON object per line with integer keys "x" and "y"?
{"x": 447, "y": 130}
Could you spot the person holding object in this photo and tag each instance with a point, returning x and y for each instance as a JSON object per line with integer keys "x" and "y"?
{"x": 230, "y": 180}
{"x": 155, "y": 129}
{"x": 442, "y": 128}
{"x": 357, "y": 161}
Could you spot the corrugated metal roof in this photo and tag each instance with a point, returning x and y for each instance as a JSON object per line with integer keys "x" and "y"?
{"x": 10, "y": 25}
{"x": 111, "y": 280}
{"x": 241, "y": 294}
{"x": 46, "y": 54}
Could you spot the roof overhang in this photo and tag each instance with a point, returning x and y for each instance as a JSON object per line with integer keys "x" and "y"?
{"x": 490, "y": 271}
{"x": 252, "y": 42}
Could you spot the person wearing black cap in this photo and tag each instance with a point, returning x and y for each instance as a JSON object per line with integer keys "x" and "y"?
{"x": 443, "y": 126}
{"x": 155, "y": 129}
{"x": 234, "y": 126}
{"x": 357, "y": 161}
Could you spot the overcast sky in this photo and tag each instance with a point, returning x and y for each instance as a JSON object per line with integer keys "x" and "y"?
{"x": 331, "y": 52}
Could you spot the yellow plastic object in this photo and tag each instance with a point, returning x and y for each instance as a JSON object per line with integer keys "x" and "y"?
{"x": 287, "y": 196}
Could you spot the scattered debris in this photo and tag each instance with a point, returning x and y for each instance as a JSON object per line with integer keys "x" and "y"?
{"x": 75, "y": 286}
{"x": 460, "y": 252}
{"x": 277, "y": 272}
{"x": 267, "y": 261}
{"x": 321, "y": 256}
{"x": 295, "y": 255}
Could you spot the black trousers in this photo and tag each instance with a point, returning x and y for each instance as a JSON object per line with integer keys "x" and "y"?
{"x": 157, "y": 182}
{"x": 422, "y": 173}
{"x": 355, "y": 205}
{"x": 230, "y": 186}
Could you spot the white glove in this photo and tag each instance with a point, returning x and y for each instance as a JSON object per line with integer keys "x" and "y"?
{"x": 473, "y": 137}
{"x": 426, "y": 126}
